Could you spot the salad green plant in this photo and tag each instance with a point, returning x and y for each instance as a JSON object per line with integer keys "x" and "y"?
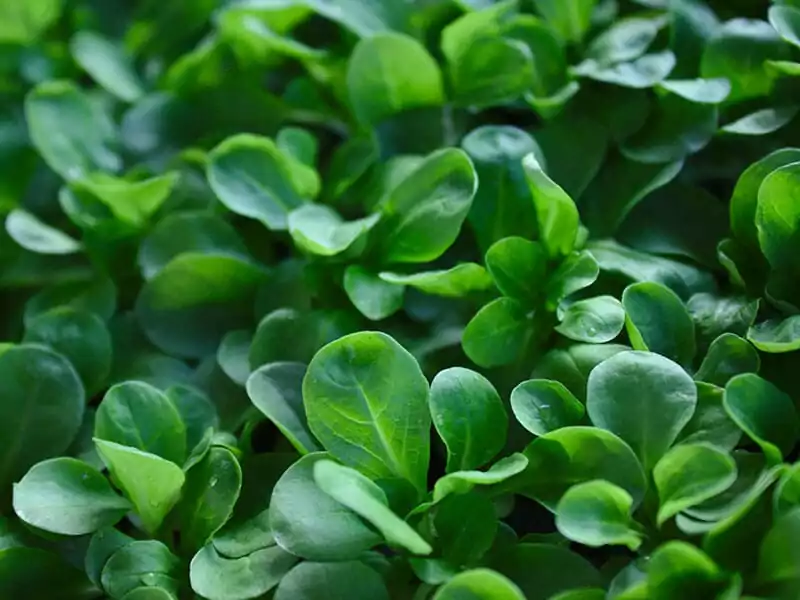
{"x": 399, "y": 300}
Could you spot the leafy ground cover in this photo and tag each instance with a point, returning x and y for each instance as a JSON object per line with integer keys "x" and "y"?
{"x": 383, "y": 299}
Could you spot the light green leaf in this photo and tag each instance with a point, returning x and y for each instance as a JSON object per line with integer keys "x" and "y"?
{"x": 650, "y": 419}
{"x": 776, "y": 335}
{"x": 556, "y": 212}
{"x": 762, "y": 122}
{"x": 491, "y": 71}
{"x": 68, "y": 497}
{"x": 22, "y": 23}
{"x": 349, "y": 580}
{"x": 423, "y": 214}
{"x": 728, "y": 355}
{"x": 578, "y": 271}
{"x": 379, "y": 86}
{"x": 679, "y": 570}
{"x": 133, "y": 202}
{"x": 542, "y": 406}
{"x": 498, "y": 333}
{"x": 363, "y": 17}
{"x": 151, "y": 483}
{"x": 276, "y": 390}
{"x": 268, "y": 343}
{"x": 570, "y": 18}
{"x": 518, "y": 267}
{"x": 598, "y": 513}
{"x": 34, "y": 235}
{"x": 462, "y": 482}
{"x": 233, "y": 355}
{"x": 218, "y": 578}
{"x": 374, "y": 297}
{"x": 318, "y": 229}
{"x": 469, "y": 416}
{"x": 69, "y": 131}
{"x": 657, "y": 320}
{"x": 479, "y": 584}
{"x": 644, "y": 72}
{"x": 596, "y": 320}
{"x": 142, "y": 562}
{"x": 701, "y": 91}
{"x": 487, "y": 21}
{"x": 367, "y": 403}
{"x": 208, "y": 497}
{"x": 561, "y": 458}
{"x": 138, "y": 415}
{"x": 766, "y": 414}
{"x": 107, "y": 64}
{"x": 365, "y": 498}
{"x": 777, "y": 216}
{"x": 690, "y": 474}
{"x": 624, "y": 41}
{"x": 253, "y": 178}
{"x": 309, "y": 523}
{"x": 41, "y": 411}
{"x": 456, "y": 282}
{"x": 786, "y": 21}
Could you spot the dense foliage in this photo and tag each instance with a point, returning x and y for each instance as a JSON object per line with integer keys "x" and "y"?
{"x": 399, "y": 299}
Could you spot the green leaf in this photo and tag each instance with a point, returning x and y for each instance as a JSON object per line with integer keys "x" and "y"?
{"x": 140, "y": 563}
{"x": 41, "y": 410}
{"x": 651, "y": 419}
{"x": 374, "y": 297}
{"x": 762, "y": 122}
{"x": 102, "y": 545}
{"x": 422, "y": 215}
{"x": 776, "y": 335}
{"x": 479, "y": 584}
{"x": 378, "y": 86}
{"x": 544, "y": 570}
{"x": 778, "y": 557}
{"x": 744, "y": 201}
{"x": 274, "y": 328}
{"x": 518, "y": 267}
{"x": 465, "y": 525}
{"x": 98, "y": 296}
{"x": 624, "y": 41}
{"x": 69, "y": 131}
{"x": 572, "y": 365}
{"x": 679, "y": 570}
{"x": 456, "y": 282}
{"x": 728, "y": 355}
{"x": 218, "y": 578}
{"x": 38, "y": 573}
{"x": 318, "y": 229}
{"x": 151, "y": 483}
{"x": 644, "y": 72}
{"x": 193, "y": 301}
{"x": 778, "y": 217}
{"x": 276, "y": 390}
{"x": 542, "y": 406}
{"x": 462, "y": 482}
{"x": 502, "y": 205}
{"x": 253, "y": 178}
{"x": 68, "y": 497}
{"x": 560, "y": 459}
{"x": 148, "y": 593}
{"x": 555, "y": 211}
{"x": 132, "y": 202}
{"x": 570, "y": 18}
{"x": 710, "y": 423}
{"x": 107, "y": 64}
{"x": 34, "y": 235}
{"x": 24, "y": 23}
{"x": 361, "y": 17}
{"x": 233, "y": 355}
{"x": 349, "y": 580}
{"x": 786, "y": 21}
{"x": 738, "y": 52}
{"x": 309, "y": 523}
{"x": 690, "y": 474}
{"x": 764, "y": 413}
{"x": 197, "y": 413}
{"x": 549, "y": 87}
{"x": 596, "y": 320}
{"x": 300, "y": 143}
{"x": 491, "y": 71}
{"x": 187, "y": 232}
{"x": 138, "y": 415}
{"x": 208, "y": 497}
{"x": 367, "y": 403}
{"x": 598, "y": 513}
{"x": 657, "y": 320}
{"x": 497, "y": 334}
{"x": 578, "y": 271}
{"x": 365, "y": 498}
{"x": 469, "y": 416}
{"x": 700, "y": 91}
{"x": 80, "y": 336}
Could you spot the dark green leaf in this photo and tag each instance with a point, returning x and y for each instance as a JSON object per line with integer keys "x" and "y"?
{"x": 556, "y": 212}
{"x": 349, "y": 580}
{"x": 518, "y": 267}
{"x": 498, "y": 333}
{"x": 728, "y": 355}
{"x": 542, "y": 406}
{"x": 140, "y": 563}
